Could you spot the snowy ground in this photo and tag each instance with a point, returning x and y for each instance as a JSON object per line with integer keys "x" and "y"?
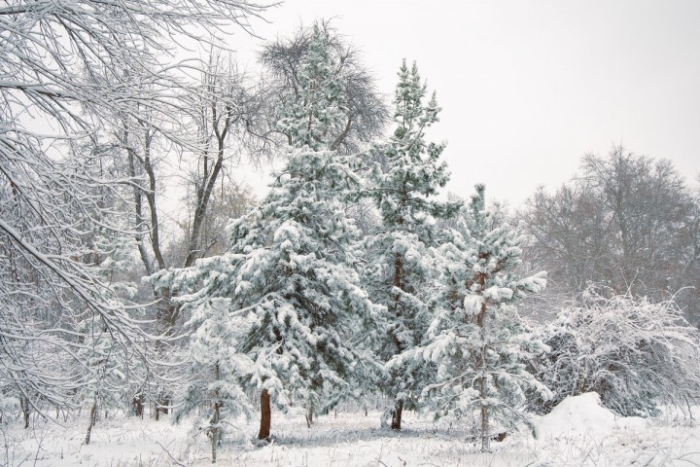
{"x": 577, "y": 433}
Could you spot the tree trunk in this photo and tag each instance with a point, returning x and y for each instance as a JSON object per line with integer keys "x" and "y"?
{"x": 309, "y": 415}
{"x": 396, "y": 415}
{"x": 24, "y": 403}
{"x": 265, "y": 415}
{"x": 485, "y": 437}
{"x": 137, "y": 403}
{"x": 215, "y": 432}
{"x": 93, "y": 419}
{"x": 216, "y": 418}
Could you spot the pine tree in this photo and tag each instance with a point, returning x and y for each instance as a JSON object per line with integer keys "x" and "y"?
{"x": 398, "y": 255}
{"x": 216, "y": 371}
{"x": 477, "y": 340}
{"x": 288, "y": 282}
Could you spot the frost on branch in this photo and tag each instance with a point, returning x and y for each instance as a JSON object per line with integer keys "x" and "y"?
{"x": 635, "y": 353}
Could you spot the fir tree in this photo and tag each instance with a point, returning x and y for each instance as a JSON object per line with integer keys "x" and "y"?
{"x": 400, "y": 264}
{"x": 288, "y": 282}
{"x": 477, "y": 340}
{"x": 216, "y": 372}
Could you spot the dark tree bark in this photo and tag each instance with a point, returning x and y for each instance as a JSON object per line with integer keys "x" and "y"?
{"x": 309, "y": 416}
{"x": 216, "y": 418}
{"x": 396, "y": 415}
{"x": 265, "y": 415}
{"x": 26, "y": 410}
{"x": 93, "y": 419}
{"x": 137, "y": 403}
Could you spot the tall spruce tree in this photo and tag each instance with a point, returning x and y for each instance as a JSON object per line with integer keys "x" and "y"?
{"x": 477, "y": 342}
{"x": 289, "y": 282}
{"x": 408, "y": 173}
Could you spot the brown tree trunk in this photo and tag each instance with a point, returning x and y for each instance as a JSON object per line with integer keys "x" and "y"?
{"x": 216, "y": 418}
{"x": 26, "y": 410}
{"x": 396, "y": 415}
{"x": 137, "y": 402}
{"x": 265, "y": 415}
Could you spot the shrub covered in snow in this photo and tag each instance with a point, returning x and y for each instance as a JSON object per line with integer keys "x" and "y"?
{"x": 634, "y": 353}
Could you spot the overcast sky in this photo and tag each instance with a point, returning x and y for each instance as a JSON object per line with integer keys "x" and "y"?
{"x": 528, "y": 87}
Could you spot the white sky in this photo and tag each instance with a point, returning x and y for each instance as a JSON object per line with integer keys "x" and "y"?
{"x": 528, "y": 87}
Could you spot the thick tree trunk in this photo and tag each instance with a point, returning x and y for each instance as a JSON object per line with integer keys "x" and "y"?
{"x": 396, "y": 415}
{"x": 137, "y": 403}
{"x": 265, "y": 415}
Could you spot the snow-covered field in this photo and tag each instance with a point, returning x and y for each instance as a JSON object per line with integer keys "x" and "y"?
{"x": 577, "y": 433}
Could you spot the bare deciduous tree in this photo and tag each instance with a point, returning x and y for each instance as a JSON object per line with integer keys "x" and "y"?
{"x": 62, "y": 76}
{"x": 625, "y": 223}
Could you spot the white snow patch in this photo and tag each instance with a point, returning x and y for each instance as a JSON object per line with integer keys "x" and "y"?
{"x": 584, "y": 415}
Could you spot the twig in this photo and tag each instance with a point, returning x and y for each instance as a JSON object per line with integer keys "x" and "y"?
{"x": 170, "y": 455}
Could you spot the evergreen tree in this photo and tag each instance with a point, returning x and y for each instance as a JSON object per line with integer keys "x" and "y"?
{"x": 288, "y": 282}
{"x": 409, "y": 172}
{"x": 477, "y": 340}
{"x": 216, "y": 371}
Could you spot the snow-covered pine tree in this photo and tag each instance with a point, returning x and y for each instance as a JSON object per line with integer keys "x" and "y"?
{"x": 216, "y": 370}
{"x": 477, "y": 340}
{"x": 398, "y": 255}
{"x": 288, "y": 282}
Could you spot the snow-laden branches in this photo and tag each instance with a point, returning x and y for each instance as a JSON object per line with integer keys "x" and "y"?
{"x": 68, "y": 70}
{"x": 636, "y": 354}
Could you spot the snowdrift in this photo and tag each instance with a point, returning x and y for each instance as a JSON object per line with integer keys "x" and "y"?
{"x": 584, "y": 414}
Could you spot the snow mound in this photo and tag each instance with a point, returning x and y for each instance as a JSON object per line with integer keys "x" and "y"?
{"x": 581, "y": 414}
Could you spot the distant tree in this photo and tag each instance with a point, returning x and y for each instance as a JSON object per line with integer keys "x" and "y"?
{"x": 105, "y": 370}
{"x": 397, "y": 252}
{"x": 477, "y": 341}
{"x": 571, "y": 231}
{"x": 229, "y": 201}
{"x": 625, "y": 223}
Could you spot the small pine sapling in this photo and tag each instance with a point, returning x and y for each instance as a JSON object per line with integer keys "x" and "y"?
{"x": 216, "y": 370}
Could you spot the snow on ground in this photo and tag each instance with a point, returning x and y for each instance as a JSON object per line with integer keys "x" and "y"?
{"x": 579, "y": 432}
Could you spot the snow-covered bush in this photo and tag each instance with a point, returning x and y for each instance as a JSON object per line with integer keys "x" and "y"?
{"x": 634, "y": 353}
